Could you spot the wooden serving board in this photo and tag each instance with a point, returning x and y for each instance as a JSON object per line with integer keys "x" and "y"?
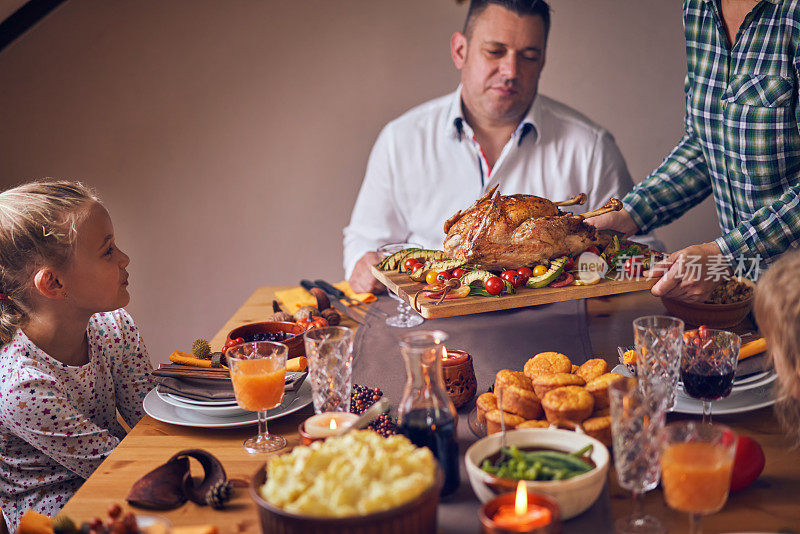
{"x": 400, "y": 284}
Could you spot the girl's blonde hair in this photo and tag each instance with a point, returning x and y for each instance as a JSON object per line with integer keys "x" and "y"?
{"x": 777, "y": 311}
{"x": 38, "y": 224}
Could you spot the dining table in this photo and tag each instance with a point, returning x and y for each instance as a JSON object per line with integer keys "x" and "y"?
{"x": 770, "y": 504}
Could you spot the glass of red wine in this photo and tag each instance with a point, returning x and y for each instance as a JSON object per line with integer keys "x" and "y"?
{"x": 708, "y": 365}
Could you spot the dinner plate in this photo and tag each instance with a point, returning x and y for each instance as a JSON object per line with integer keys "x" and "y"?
{"x": 223, "y": 410}
{"x": 737, "y": 402}
{"x": 159, "y": 410}
{"x": 225, "y": 402}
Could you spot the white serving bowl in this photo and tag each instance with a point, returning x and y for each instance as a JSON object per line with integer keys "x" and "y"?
{"x": 573, "y": 495}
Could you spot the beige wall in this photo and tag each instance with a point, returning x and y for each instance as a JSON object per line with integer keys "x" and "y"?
{"x": 228, "y": 138}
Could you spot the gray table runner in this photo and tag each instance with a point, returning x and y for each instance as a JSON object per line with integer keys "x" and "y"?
{"x": 496, "y": 340}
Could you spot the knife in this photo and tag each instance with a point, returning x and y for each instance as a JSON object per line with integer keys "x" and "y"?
{"x": 339, "y": 294}
{"x": 308, "y": 285}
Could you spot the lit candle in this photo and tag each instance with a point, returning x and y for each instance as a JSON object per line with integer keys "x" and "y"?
{"x": 328, "y": 424}
{"x": 454, "y": 357}
{"x": 522, "y": 516}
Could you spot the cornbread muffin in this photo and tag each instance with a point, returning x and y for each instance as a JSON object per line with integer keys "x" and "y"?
{"x": 522, "y": 402}
{"x": 534, "y": 424}
{"x": 493, "y": 421}
{"x": 485, "y": 403}
{"x": 544, "y": 383}
{"x": 547, "y": 362}
{"x": 599, "y": 388}
{"x": 506, "y": 377}
{"x": 591, "y": 369}
{"x": 599, "y": 428}
{"x": 575, "y": 368}
{"x": 568, "y": 403}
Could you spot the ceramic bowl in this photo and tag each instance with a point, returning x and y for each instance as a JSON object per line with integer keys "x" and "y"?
{"x": 711, "y": 315}
{"x": 574, "y": 495}
{"x": 418, "y": 515}
{"x": 295, "y": 343}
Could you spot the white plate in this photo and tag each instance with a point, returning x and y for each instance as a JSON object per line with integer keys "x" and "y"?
{"x": 224, "y": 410}
{"x": 736, "y": 402}
{"x": 187, "y": 400}
{"x": 159, "y": 410}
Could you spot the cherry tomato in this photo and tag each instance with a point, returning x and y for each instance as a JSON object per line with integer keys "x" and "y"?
{"x": 417, "y": 267}
{"x": 512, "y": 277}
{"x": 539, "y": 270}
{"x": 494, "y": 285}
{"x": 570, "y": 264}
{"x": 430, "y": 278}
{"x": 409, "y": 264}
{"x": 634, "y": 266}
{"x": 525, "y": 272}
{"x": 747, "y": 464}
{"x": 441, "y": 276}
{"x": 593, "y": 249}
{"x": 458, "y": 272}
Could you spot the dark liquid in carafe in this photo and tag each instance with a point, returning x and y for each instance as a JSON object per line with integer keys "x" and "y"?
{"x": 440, "y": 437}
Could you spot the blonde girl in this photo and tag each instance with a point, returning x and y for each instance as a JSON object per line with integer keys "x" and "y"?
{"x": 70, "y": 355}
{"x": 777, "y": 311}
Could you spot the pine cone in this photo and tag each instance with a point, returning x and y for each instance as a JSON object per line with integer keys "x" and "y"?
{"x": 64, "y": 525}
{"x": 219, "y": 494}
{"x": 201, "y": 349}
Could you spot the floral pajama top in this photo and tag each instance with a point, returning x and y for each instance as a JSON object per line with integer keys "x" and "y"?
{"x": 58, "y": 422}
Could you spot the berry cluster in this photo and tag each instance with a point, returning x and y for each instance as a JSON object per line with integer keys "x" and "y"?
{"x": 268, "y": 336}
{"x": 361, "y": 398}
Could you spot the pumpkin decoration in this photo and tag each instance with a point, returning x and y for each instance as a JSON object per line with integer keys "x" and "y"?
{"x": 310, "y": 321}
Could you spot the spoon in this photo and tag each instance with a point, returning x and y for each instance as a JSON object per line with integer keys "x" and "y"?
{"x": 369, "y": 415}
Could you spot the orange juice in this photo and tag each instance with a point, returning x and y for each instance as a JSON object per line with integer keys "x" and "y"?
{"x": 258, "y": 384}
{"x": 696, "y": 476}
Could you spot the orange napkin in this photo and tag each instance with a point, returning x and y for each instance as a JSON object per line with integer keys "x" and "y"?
{"x": 297, "y": 297}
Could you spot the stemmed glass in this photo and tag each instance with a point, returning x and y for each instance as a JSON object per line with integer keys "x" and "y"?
{"x": 406, "y": 316}
{"x": 696, "y": 467}
{"x": 258, "y": 374}
{"x": 659, "y": 347}
{"x": 330, "y": 367}
{"x": 637, "y": 415}
{"x": 709, "y": 365}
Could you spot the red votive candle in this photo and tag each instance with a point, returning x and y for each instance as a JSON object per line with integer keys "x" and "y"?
{"x": 520, "y": 512}
{"x": 454, "y": 357}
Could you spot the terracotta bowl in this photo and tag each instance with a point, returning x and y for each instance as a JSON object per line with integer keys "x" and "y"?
{"x": 295, "y": 343}
{"x": 573, "y": 495}
{"x": 711, "y": 315}
{"x": 418, "y": 516}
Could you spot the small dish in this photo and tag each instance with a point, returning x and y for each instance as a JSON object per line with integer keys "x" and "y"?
{"x": 574, "y": 495}
{"x": 295, "y": 343}
{"x": 711, "y": 315}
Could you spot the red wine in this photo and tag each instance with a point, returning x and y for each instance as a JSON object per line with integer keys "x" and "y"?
{"x": 706, "y": 383}
{"x": 440, "y": 437}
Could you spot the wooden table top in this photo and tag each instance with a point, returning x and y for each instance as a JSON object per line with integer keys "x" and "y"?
{"x": 771, "y": 504}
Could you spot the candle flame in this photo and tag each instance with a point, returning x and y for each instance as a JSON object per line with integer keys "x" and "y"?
{"x": 333, "y": 424}
{"x": 521, "y": 500}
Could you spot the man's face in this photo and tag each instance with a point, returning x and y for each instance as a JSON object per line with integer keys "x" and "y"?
{"x": 500, "y": 64}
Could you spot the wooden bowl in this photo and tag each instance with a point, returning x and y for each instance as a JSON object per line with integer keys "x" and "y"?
{"x": 295, "y": 343}
{"x": 711, "y": 315}
{"x": 418, "y": 515}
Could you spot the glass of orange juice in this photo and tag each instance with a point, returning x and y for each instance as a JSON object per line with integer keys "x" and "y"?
{"x": 696, "y": 467}
{"x": 258, "y": 374}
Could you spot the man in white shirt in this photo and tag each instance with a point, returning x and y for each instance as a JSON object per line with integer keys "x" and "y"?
{"x": 440, "y": 157}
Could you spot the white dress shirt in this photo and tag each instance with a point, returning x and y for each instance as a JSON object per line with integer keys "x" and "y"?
{"x": 426, "y": 165}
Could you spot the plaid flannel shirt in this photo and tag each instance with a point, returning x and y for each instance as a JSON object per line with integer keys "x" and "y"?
{"x": 742, "y": 141}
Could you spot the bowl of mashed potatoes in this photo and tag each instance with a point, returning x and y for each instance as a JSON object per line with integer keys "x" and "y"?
{"x": 360, "y": 482}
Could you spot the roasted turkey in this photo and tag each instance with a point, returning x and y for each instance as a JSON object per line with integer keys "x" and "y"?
{"x": 519, "y": 230}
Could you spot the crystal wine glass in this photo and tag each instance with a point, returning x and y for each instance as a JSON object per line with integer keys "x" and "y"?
{"x": 659, "y": 347}
{"x": 406, "y": 316}
{"x": 708, "y": 365}
{"x": 637, "y": 415}
{"x": 696, "y": 467}
{"x": 258, "y": 374}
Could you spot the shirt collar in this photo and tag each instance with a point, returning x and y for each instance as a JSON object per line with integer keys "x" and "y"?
{"x": 530, "y": 122}
{"x": 770, "y": 1}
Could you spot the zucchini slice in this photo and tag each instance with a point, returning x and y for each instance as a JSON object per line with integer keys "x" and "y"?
{"x": 424, "y": 256}
{"x": 391, "y": 263}
{"x": 556, "y": 267}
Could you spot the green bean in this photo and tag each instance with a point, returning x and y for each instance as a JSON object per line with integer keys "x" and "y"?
{"x": 538, "y": 465}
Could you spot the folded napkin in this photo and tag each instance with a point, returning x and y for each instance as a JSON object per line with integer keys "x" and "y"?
{"x": 297, "y": 297}
{"x": 214, "y": 390}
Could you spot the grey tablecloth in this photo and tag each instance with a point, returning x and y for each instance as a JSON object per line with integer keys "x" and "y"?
{"x": 497, "y": 340}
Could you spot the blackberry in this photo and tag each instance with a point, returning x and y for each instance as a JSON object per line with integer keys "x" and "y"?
{"x": 267, "y": 336}
{"x": 361, "y": 398}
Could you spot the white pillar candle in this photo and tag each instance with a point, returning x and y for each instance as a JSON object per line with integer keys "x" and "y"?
{"x": 328, "y": 424}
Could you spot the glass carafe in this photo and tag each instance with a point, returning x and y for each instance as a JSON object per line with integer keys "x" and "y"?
{"x": 426, "y": 414}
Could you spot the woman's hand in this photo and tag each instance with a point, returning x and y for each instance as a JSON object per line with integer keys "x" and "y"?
{"x": 684, "y": 274}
